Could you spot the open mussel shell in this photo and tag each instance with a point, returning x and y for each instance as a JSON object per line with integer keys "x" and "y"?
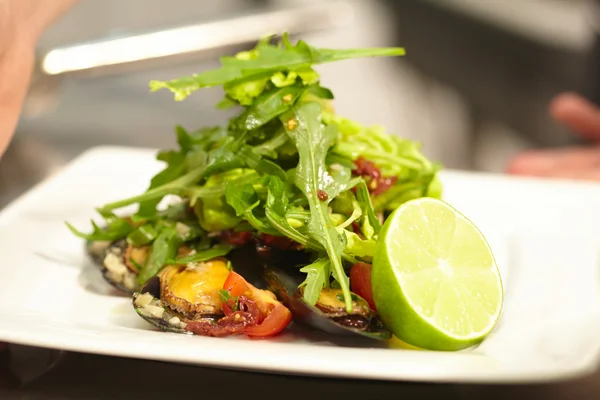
{"x": 148, "y": 305}
{"x": 284, "y": 283}
{"x": 110, "y": 259}
{"x": 185, "y": 296}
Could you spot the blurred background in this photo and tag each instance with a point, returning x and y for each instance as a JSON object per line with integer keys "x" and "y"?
{"x": 473, "y": 88}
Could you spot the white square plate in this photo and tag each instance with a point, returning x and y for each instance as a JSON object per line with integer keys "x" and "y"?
{"x": 545, "y": 235}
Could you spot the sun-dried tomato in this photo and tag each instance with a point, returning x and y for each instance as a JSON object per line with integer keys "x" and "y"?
{"x": 248, "y": 314}
{"x": 366, "y": 168}
{"x": 376, "y": 182}
{"x": 384, "y": 184}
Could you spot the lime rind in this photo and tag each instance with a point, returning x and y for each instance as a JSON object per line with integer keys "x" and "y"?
{"x": 444, "y": 291}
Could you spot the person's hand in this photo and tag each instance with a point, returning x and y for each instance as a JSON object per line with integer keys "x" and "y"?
{"x": 581, "y": 163}
{"x": 22, "y": 22}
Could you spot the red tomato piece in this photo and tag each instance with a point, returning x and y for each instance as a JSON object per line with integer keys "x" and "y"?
{"x": 235, "y": 284}
{"x": 360, "y": 282}
{"x": 274, "y": 315}
{"x": 277, "y": 320}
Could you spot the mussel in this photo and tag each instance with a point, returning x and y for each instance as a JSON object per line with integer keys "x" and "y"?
{"x": 275, "y": 261}
{"x": 119, "y": 262}
{"x": 180, "y": 294}
{"x": 329, "y": 314}
{"x": 183, "y": 295}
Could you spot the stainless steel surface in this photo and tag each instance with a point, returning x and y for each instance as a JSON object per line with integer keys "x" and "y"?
{"x": 193, "y": 42}
{"x": 110, "y": 55}
{"x": 559, "y": 24}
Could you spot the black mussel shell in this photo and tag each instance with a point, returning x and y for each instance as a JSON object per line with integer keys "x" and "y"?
{"x": 285, "y": 283}
{"x": 97, "y": 252}
{"x": 165, "y": 321}
{"x": 148, "y": 305}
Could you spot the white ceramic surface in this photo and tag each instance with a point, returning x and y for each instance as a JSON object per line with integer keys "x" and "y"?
{"x": 545, "y": 235}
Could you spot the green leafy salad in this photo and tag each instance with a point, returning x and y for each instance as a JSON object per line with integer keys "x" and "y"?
{"x": 286, "y": 175}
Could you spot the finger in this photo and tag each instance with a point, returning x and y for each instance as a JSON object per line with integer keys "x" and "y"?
{"x": 578, "y": 114}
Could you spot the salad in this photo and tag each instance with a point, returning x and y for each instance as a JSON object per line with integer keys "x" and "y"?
{"x": 272, "y": 218}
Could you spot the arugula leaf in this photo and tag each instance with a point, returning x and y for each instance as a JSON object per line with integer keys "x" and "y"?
{"x": 267, "y": 107}
{"x": 163, "y": 248}
{"x": 176, "y": 186}
{"x": 207, "y": 137}
{"x": 317, "y": 277}
{"x": 313, "y": 139}
{"x": 218, "y": 189}
{"x": 184, "y": 139}
{"x": 275, "y": 211}
{"x": 99, "y": 234}
{"x": 179, "y": 211}
{"x": 183, "y": 186}
{"x": 178, "y": 164}
{"x": 268, "y": 147}
{"x": 116, "y": 228}
{"x": 371, "y": 224}
{"x": 269, "y": 168}
{"x": 218, "y": 250}
{"x": 364, "y": 249}
{"x": 356, "y": 214}
{"x": 258, "y": 65}
{"x": 281, "y": 79}
{"x": 321, "y": 92}
{"x": 244, "y": 200}
{"x": 224, "y": 158}
{"x": 245, "y": 92}
{"x": 142, "y": 235}
{"x": 226, "y": 103}
{"x": 214, "y": 214}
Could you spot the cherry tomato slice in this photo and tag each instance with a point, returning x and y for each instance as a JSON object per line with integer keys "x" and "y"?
{"x": 236, "y": 285}
{"x": 277, "y": 320}
{"x": 360, "y": 282}
{"x": 275, "y": 316}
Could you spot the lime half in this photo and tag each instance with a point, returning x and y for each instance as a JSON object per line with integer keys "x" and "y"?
{"x": 435, "y": 281}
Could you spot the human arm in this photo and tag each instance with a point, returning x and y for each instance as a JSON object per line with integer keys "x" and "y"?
{"x": 22, "y": 22}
